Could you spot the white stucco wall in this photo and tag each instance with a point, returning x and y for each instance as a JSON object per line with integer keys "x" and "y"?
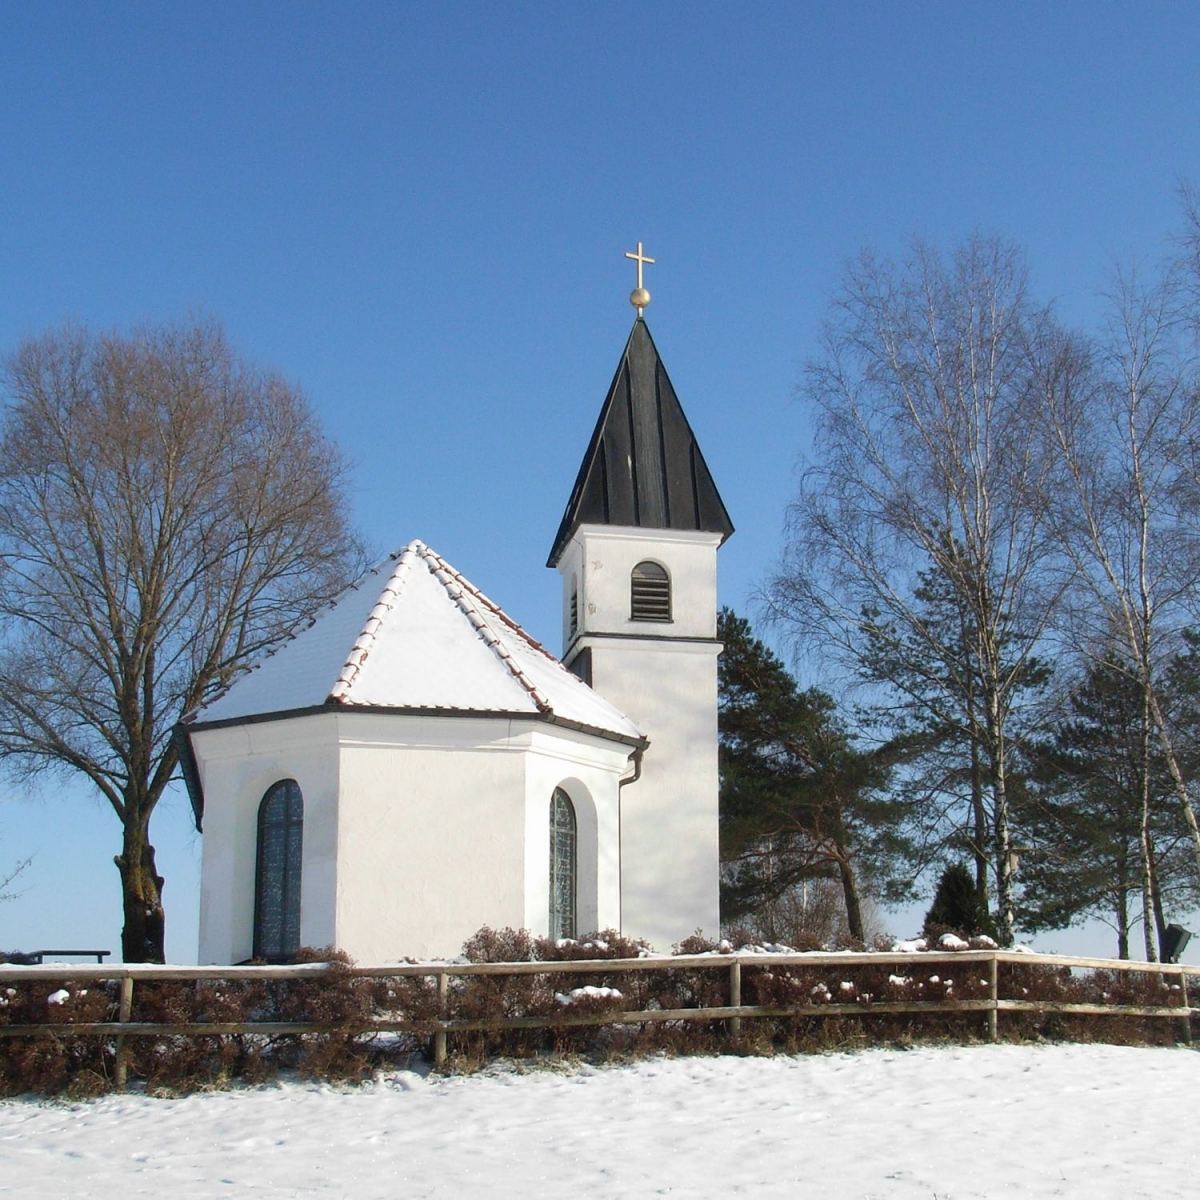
{"x": 418, "y": 830}
{"x": 237, "y": 765}
{"x": 664, "y": 676}
{"x": 600, "y": 560}
{"x": 588, "y": 770}
{"x": 431, "y": 837}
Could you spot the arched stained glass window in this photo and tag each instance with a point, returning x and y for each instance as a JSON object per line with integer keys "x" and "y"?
{"x": 277, "y": 879}
{"x": 562, "y": 866}
{"x": 649, "y": 593}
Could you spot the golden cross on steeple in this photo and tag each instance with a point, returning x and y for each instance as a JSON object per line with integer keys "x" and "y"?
{"x": 639, "y": 297}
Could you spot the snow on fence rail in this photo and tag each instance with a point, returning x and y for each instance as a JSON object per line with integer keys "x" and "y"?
{"x": 989, "y": 1005}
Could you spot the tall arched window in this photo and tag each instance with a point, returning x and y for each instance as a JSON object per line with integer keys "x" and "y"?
{"x": 277, "y": 879}
{"x": 562, "y": 866}
{"x": 649, "y": 593}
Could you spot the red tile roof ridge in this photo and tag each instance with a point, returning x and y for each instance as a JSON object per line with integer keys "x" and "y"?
{"x": 467, "y": 597}
{"x": 366, "y": 638}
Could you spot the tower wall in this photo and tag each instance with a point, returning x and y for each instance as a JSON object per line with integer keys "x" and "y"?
{"x": 663, "y": 675}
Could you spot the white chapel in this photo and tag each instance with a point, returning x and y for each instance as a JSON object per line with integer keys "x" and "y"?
{"x": 413, "y": 765}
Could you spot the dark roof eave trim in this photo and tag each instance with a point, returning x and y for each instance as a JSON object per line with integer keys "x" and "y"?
{"x": 189, "y": 771}
{"x": 394, "y": 711}
{"x": 191, "y": 774}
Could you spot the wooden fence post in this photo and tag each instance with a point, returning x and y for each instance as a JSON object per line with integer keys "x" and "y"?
{"x": 1187, "y": 1007}
{"x": 439, "y": 1038}
{"x": 735, "y": 995}
{"x": 124, "y": 1012}
{"x": 994, "y": 996}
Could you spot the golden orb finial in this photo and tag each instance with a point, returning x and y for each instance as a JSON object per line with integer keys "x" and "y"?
{"x": 639, "y": 297}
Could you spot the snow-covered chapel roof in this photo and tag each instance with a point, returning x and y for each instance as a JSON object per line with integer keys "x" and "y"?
{"x": 414, "y": 634}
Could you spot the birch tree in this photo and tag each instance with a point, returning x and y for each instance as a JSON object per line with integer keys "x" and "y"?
{"x": 925, "y": 465}
{"x": 167, "y": 512}
{"x": 1088, "y": 820}
{"x": 1126, "y": 432}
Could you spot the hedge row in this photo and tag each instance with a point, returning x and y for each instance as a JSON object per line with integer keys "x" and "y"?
{"x": 81, "y": 1065}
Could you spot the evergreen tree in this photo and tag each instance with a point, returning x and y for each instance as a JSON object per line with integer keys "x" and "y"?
{"x": 1099, "y": 780}
{"x": 934, "y": 715}
{"x": 956, "y": 905}
{"x": 798, "y": 800}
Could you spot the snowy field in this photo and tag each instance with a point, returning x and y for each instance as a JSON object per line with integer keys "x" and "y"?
{"x": 952, "y": 1123}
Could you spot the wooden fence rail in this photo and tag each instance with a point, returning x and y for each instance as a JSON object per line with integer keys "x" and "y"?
{"x": 734, "y": 1013}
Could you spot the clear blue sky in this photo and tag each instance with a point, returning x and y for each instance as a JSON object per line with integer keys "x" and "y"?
{"x": 418, "y": 214}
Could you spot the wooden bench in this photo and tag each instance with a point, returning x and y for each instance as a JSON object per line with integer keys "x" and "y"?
{"x": 99, "y": 955}
{"x": 36, "y": 958}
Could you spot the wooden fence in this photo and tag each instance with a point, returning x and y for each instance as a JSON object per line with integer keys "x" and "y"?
{"x": 989, "y": 1007}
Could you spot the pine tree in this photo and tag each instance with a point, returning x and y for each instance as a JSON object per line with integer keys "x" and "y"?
{"x": 1098, "y": 777}
{"x": 798, "y": 800}
{"x": 956, "y": 905}
{"x": 935, "y": 715}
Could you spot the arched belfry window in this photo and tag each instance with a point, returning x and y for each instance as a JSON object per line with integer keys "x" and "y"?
{"x": 277, "y": 879}
{"x": 650, "y": 593}
{"x": 562, "y": 865}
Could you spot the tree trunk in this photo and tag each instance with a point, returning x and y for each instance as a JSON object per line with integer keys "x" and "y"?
{"x": 979, "y": 812}
{"x": 1122, "y": 906}
{"x": 144, "y": 933}
{"x": 1148, "y": 938}
{"x": 1177, "y": 781}
{"x": 999, "y": 786}
{"x": 854, "y": 919}
{"x": 1160, "y": 920}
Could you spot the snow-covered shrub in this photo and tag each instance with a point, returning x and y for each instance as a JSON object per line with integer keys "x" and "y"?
{"x": 75, "y": 1065}
{"x": 608, "y": 943}
{"x": 951, "y": 941}
{"x": 500, "y": 945}
{"x": 336, "y": 999}
{"x": 169, "y": 1063}
{"x": 697, "y": 943}
{"x": 491, "y": 997}
{"x": 1055, "y": 984}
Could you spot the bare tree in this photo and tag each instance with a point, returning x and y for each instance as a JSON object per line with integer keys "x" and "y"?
{"x": 929, "y": 479}
{"x": 7, "y": 880}
{"x": 167, "y": 512}
{"x": 1126, "y": 432}
{"x": 808, "y": 915}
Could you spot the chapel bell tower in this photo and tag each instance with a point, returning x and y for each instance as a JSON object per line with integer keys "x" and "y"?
{"x": 637, "y": 551}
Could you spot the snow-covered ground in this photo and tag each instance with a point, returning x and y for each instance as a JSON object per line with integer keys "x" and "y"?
{"x": 946, "y": 1122}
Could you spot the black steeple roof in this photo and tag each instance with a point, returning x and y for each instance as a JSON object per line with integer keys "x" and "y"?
{"x": 642, "y": 466}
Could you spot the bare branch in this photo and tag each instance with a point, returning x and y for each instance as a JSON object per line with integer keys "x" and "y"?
{"x": 166, "y": 512}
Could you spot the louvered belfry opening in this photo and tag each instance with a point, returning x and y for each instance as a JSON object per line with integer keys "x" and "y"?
{"x": 650, "y": 593}
{"x": 574, "y": 615}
